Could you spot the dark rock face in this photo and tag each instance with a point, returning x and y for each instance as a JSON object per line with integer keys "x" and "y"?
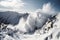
{"x": 46, "y": 38}
{"x": 58, "y": 35}
{"x": 11, "y": 17}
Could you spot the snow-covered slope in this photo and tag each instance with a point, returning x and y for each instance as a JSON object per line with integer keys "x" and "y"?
{"x": 38, "y": 26}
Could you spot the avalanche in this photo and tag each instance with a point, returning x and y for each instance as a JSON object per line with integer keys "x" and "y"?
{"x": 49, "y": 31}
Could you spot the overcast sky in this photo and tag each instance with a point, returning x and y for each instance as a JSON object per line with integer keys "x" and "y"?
{"x": 27, "y": 5}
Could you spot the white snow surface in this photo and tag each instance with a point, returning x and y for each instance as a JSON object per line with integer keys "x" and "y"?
{"x": 40, "y": 34}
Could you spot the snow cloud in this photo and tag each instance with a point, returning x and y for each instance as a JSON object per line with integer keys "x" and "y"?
{"x": 47, "y": 9}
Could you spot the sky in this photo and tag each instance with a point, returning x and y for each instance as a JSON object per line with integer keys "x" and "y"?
{"x": 27, "y": 5}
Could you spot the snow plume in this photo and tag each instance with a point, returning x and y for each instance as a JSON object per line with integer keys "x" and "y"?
{"x": 47, "y": 9}
{"x": 37, "y": 19}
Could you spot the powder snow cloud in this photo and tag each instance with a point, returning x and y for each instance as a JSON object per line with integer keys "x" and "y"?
{"x": 47, "y": 8}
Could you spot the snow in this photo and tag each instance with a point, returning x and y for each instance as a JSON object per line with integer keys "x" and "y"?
{"x": 38, "y": 26}
{"x": 51, "y": 34}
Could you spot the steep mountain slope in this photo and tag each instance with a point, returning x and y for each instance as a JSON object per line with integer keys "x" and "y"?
{"x": 38, "y": 27}
{"x": 10, "y": 17}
